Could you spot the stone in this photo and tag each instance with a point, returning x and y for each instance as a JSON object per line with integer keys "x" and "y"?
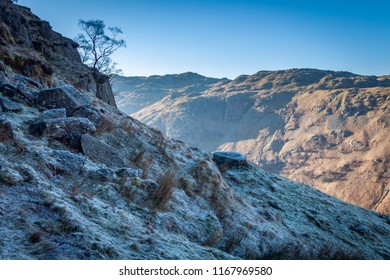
{"x": 54, "y": 114}
{"x": 230, "y": 159}
{"x": 129, "y": 172}
{"x": 63, "y": 97}
{"x": 18, "y": 95}
{"x": 28, "y": 80}
{"x": 100, "y": 152}
{"x": 341, "y": 134}
{"x": 9, "y": 106}
{"x": 362, "y": 229}
{"x": 10, "y": 176}
{"x": 104, "y": 90}
{"x": 102, "y": 174}
{"x": 68, "y": 162}
{"x": 6, "y": 131}
{"x": 317, "y": 140}
{"x": 88, "y": 112}
{"x": 62, "y": 127}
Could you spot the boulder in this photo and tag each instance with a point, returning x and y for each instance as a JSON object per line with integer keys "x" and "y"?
{"x": 53, "y": 114}
{"x": 22, "y": 96}
{"x": 100, "y": 152}
{"x": 63, "y": 97}
{"x": 10, "y": 176}
{"x": 9, "y": 106}
{"x": 316, "y": 141}
{"x": 104, "y": 90}
{"x": 68, "y": 162}
{"x": 6, "y": 131}
{"x": 103, "y": 174}
{"x": 88, "y": 112}
{"x": 230, "y": 159}
{"x": 129, "y": 172}
{"x": 62, "y": 127}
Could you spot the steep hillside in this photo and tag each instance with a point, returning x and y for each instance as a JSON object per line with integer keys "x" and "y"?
{"x": 31, "y": 48}
{"x": 81, "y": 180}
{"x": 322, "y": 128}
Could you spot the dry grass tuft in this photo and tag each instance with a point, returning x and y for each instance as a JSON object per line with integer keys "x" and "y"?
{"x": 166, "y": 184}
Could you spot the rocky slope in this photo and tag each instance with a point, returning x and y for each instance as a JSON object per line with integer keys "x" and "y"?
{"x": 33, "y": 49}
{"x": 322, "y": 128}
{"x": 81, "y": 180}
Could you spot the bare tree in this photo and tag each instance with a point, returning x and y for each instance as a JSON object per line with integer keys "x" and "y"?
{"x": 95, "y": 47}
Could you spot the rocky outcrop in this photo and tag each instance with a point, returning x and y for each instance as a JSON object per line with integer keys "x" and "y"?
{"x": 62, "y": 97}
{"x": 30, "y": 47}
{"x": 100, "y": 152}
{"x": 53, "y": 114}
{"x": 62, "y": 127}
{"x": 322, "y": 128}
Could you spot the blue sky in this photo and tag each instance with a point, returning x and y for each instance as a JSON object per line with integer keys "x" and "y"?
{"x": 229, "y": 38}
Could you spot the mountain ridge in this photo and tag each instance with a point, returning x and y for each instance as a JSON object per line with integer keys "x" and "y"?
{"x": 267, "y": 115}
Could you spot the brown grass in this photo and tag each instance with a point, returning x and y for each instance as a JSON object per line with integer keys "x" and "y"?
{"x": 166, "y": 184}
{"x": 143, "y": 162}
{"x": 105, "y": 125}
{"x": 5, "y": 34}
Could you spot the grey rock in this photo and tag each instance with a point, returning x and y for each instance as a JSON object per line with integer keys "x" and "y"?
{"x": 16, "y": 94}
{"x": 6, "y": 131}
{"x": 63, "y": 97}
{"x": 129, "y": 172}
{"x": 230, "y": 159}
{"x": 100, "y": 152}
{"x": 9, "y": 106}
{"x": 68, "y": 162}
{"x": 362, "y": 229}
{"x": 62, "y": 127}
{"x": 10, "y": 176}
{"x": 53, "y": 114}
{"x": 88, "y": 112}
{"x": 29, "y": 81}
{"x": 2, "y": 162}
{"x": 104, "y": 90}
{"x": 102, "y": 174}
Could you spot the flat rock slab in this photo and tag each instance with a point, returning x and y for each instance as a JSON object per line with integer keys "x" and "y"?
{"x": 230, "y": 159}
{"x": 63, "y": 97}
{"x": 68, "y": 162}
{"x": 62, "y": 127}
{"x": 100, "y": 152}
